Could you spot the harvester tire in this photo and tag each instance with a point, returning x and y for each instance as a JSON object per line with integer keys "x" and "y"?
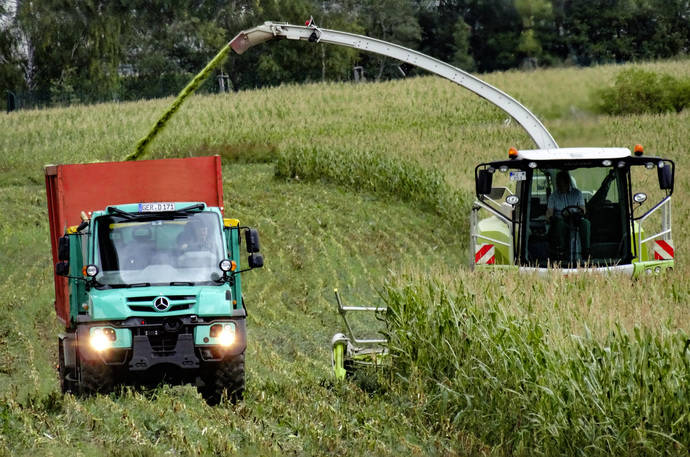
{"x": 95, "y": 377}
{"x": 224, "y": 379}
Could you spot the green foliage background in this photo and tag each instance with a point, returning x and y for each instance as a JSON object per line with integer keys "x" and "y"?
{"x": 642, "y": 91}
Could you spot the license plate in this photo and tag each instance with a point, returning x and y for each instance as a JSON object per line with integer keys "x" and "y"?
{"x": 156, "y": 207}
{"x": 518, "y": 175}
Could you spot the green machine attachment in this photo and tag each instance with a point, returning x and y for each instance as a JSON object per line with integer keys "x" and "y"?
{"x": 350, "y": 352}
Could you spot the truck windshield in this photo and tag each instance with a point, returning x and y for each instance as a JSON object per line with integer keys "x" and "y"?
{"x": 185, "y": 249}
{"x": 577, "y": 215}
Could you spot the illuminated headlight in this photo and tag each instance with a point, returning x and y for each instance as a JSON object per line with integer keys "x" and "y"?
{"x": 224, "y": 332}
{"x": 102, "y": 338}
{"x": 657, "y": 270}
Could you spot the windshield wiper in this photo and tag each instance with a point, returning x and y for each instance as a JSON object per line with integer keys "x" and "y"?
{"x": 182, "y": 283}
{"x": 123, "y": 285}
{"x": 197, "y": 207}
{"x": 121, "y": 213}
{"x": 156, "y": 215}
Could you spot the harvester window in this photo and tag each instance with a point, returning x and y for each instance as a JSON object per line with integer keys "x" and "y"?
{"x": 575, "y": 216}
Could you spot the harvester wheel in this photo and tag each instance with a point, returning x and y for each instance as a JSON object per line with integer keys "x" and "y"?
{"x": 66, "y": 384}
{"x": 225, "y": 378}
{"x": 95, "y": 377}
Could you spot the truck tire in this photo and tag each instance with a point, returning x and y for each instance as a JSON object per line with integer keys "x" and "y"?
{"x": 95, "y": 377}
{"x": 67, "y": 375}
{"x": 224, "y": 378}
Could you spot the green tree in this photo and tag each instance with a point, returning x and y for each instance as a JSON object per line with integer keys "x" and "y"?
{"x": 623, "y": 30}
{"x": 285, "y": 62}
{"x": 61, "y": 35}
{"x": 496, "y": 27}
{"x": 533, "y": 14}
{"x": 389, "y": 20}
{"x": 439, "y": 23}
{"x": 168, "y": 43}
{"x": 461, "y": 40}
{"x": 10, "y": 59}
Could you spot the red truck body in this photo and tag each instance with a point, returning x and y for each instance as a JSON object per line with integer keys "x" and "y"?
{"x": 73, "y": 189}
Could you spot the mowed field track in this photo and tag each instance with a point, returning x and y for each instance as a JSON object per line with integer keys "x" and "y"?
{"x": 317, "y": 234}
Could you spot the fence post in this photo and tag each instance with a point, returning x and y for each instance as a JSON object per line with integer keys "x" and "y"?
{"x": 11, "y": 101}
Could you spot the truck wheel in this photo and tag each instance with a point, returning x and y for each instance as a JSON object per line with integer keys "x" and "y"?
{"x": 96, "y": 377}
{"x": 224, "y": 378}
{"x": 66, "y": 384}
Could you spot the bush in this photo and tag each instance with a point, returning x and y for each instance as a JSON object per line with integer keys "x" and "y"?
{"x": 498, "y": 377}
{"x": 639, "y": 91}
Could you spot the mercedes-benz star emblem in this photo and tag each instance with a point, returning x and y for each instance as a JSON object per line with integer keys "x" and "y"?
{"x": 161, "y": 303}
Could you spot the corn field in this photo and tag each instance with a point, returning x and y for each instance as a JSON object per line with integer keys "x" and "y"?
{"x": 365, "y": 188}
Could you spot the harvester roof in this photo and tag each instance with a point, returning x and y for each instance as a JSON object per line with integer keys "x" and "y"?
{"x": 573, "y": 153}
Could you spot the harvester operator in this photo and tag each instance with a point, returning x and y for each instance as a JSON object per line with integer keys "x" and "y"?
{"x": 566, "y": 210}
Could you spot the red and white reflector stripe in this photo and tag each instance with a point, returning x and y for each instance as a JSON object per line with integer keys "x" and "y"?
{"x": 485, "y": 255}
{"x": 663, "y": 250}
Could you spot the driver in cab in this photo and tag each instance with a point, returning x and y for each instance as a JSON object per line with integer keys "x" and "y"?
{"x": 566, "y": 210}
{"x": 196, "y": 237}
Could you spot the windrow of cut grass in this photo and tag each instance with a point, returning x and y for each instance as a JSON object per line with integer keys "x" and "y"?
{"x": 520, "y": 389}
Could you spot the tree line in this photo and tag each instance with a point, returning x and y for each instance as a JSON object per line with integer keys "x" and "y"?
{"x": 94, "y": 50}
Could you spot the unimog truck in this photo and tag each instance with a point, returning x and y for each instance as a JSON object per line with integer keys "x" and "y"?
{"x": 147, "y": 279}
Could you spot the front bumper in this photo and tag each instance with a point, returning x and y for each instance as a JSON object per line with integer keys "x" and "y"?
{"x": 180, "y": 342}
{"x": 634, "y": 270}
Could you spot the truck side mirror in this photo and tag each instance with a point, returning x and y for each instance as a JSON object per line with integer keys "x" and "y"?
{"x": 483, "y": 184}
{"x": 256, "y": 260}
{"x": 665, "y": 174}
{"x": 63, "y": 248}
{"x": 62, "y": 268}
{"x": 252, "y": 238}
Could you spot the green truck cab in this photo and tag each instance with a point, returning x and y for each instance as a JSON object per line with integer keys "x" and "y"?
{"x": 153, "y": 292}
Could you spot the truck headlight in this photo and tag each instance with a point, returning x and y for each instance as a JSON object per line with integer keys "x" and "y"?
{"x": 90, "y": 270}
{"x": 227, "y": 265}
{"x": 102, "y": 338}
{"x": 224, "y": 332}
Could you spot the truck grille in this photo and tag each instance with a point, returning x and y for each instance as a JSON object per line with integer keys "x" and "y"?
{"x": 145, "y": 303}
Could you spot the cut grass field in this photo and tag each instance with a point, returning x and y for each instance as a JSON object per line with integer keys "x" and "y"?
{"x": 380, "y": 216}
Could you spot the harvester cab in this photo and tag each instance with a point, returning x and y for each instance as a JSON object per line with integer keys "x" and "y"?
{"x": 580, "y": 209}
